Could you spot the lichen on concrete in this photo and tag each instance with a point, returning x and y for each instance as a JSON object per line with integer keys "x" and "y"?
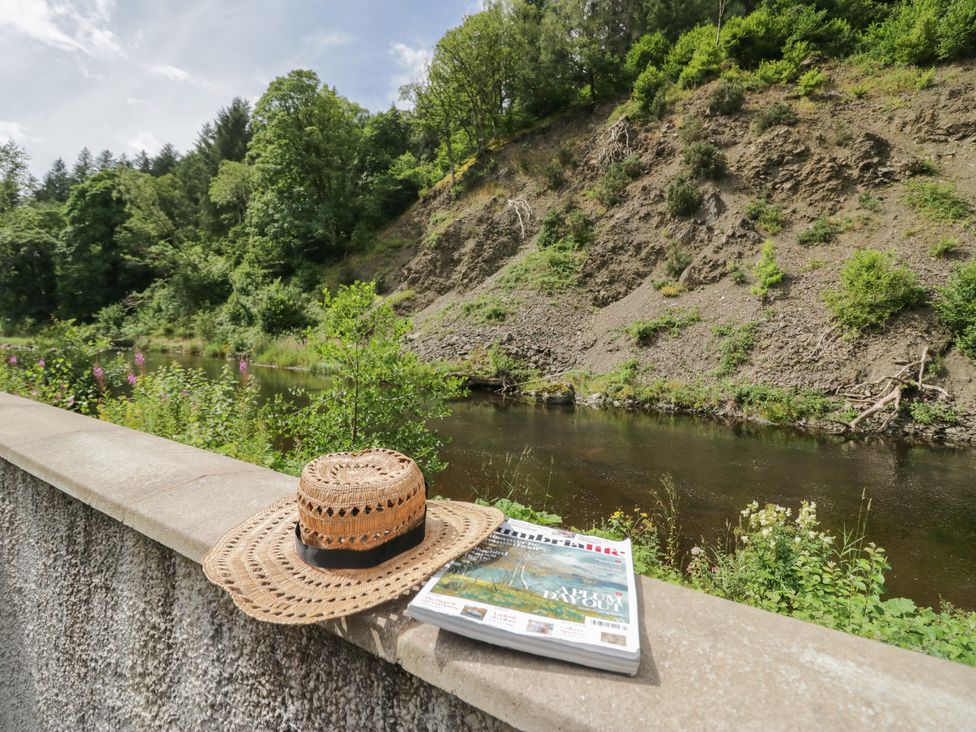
{"x": 102, "y": 628}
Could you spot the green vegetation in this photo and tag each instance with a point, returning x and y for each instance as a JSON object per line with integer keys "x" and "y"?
{"x": 704, "y": 160}
{"x": 672, "y": 321}
{"x": 775, "y": 115}
{"x": 821, "y": 231}
{"x": 767, "y": 272}
{"x": 811, "y": 82}
{"x": 684, "y": 197}
{"x": 610, "y": 189}
{"x": 770, "y": 217}
{"x": 872, "y": 290}
{"x": 929, "y": 413}
{"x": 550, "y": 270}
{"x": 379, "y": 393}
{"x": 937, "y": 201}
{"x": 727, "y": 97}
{"x": 944, "y": 247}
{"x": 736, "y": 343}
{"x": 956, "y": 305}
{"x": 229, "y": 242}
{"x": 565, "y": 226}
{"x": 486, "y": 309}
{"x": 676, "y": 260}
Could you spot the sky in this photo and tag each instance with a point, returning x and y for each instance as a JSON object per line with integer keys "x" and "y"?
{"x": 137, "y": 74}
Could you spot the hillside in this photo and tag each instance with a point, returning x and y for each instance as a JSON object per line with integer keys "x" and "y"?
{"x": 469, "y": 269}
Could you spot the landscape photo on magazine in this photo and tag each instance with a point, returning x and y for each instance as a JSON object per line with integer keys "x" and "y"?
{"x": 566, "y": 583}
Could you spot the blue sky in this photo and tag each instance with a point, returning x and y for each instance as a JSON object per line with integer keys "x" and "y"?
{"x": 137, "y": 74}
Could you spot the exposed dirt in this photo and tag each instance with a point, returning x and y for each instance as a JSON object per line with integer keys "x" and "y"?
{"x": 841, "y": 148}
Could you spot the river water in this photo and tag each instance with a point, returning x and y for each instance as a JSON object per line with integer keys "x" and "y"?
{"x": 583, "y": 464}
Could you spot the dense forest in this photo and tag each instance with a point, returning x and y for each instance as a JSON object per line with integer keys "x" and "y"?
{"x": 230, "y": 241}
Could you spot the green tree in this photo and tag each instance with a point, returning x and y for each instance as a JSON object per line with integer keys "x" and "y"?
{"x": 165, "y": 161}
{"x": 380, "y": 394}
{"x": 104, "y": 161}
{"x": 56, "y": 184}
{"x": 231, "y": 189}
{"x": 304, "y": 150}
{"x": 84, "y": 166}
{"x": 28, "y": 239}
{"x": 15, "y": 180}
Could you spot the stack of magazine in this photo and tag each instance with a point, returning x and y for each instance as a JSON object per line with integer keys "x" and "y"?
{"x": 542, "y": 590}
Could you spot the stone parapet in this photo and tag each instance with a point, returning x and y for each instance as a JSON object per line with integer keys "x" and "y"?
{"x": 145, "y": 510}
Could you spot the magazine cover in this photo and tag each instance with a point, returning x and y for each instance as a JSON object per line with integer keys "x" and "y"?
{"x": 543, "y": 583}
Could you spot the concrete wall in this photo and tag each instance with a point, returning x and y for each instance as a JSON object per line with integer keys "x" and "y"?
{"x": 102, "y": 628}
{"x": 121, "y": 630}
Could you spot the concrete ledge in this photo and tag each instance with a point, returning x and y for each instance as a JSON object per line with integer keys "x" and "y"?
{"x": 707, "y": 662}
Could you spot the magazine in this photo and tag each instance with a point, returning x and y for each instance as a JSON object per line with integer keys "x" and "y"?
{"x": 542, "y": 590}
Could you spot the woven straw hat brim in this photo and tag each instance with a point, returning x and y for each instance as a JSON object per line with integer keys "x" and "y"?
{"x": 258, "y": 565}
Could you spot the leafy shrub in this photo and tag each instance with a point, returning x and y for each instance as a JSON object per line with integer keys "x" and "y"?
{"x": 956, "y": 305}
{"x": 727, "y": 97}
{"x": 872, "y": 290}
{"x": 786, "y": 69}
{"x": 554, "y": 175}
{"x": 811, "y": 82}
{"x": 821, "y": 231}
{"x": 610, "y": 190}
{"x": 704, "y": 160}
{"x": 676, "y": 260}
{"x": 694, "y": 57}
{"x": 770, "y": 217}
{"x": 937, "y": 201}
{"x": 767, "y": 271}
{"x": 222, "y": 414}
{"x": 737, "y": 273}
{"x": 773, "y": 116}
{"x": 650, "y": 50}
{"x": 519, "y": 512}
{"x": 869, "y": 203}
{"x": 649, "y": 89}
{"x": 566, "y": 226}
{"x": 929, "y": 413}
{"x": 691, "y": 129}
{"x": 737, "y": 342}
{"x": 924, "y": 31}
{"x": 280, "y": 308}
{"x": 684, "y": 197}
{"x": 750, "y": 39}
{"x": 944, "y": 247}
{"x": 485, "y": 310}
{"x": 672, "y": 321}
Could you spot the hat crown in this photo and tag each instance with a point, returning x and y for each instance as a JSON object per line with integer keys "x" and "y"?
{"x": 359, "y": 500}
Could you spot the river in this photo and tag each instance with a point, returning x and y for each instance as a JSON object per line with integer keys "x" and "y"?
{"x": 583, "y": 464}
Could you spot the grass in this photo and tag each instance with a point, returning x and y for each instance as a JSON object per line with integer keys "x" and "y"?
{"x": 550, "y": 270}
{"x": 937, "y": 201}
{"x": 486, "y": 310}
{"x": 770, "y": 217}
{"x": 944, "y": 247}
{"x": 672, "y": 321}
{"x": 736, "y": 344}
{"x": 821, "y": 231}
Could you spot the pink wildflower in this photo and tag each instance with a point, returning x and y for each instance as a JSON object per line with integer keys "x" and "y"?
{"x": 13, "y": 360}
{"x": 140, "y": 359}
{"x": 132, "y": 379}
{"x": 41, "y": 364}
{"x": 243, "y": 367}
{"x": 99, "y": 373}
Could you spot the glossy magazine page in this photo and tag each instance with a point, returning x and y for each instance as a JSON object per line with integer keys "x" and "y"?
{"x": 544, "y": 584}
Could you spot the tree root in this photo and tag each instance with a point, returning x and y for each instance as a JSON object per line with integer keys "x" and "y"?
{"x": 523, "y": 211}
{"x": 614, "y": 143}
{"x": 885, "y": 394}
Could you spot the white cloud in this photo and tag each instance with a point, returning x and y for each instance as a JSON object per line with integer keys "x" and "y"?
{"x": 136, "y": 100}
{"x": 327, "y": 39}
{"x": 173, "y": 73}
{"x": 144, "y": 141}
{"x": 412, "y": 63}
{"x": 12, "y": 131}
{"x": 74, "y": 26}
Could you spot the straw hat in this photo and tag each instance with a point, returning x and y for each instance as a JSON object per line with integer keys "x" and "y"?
{"x": 365, "y": 534}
